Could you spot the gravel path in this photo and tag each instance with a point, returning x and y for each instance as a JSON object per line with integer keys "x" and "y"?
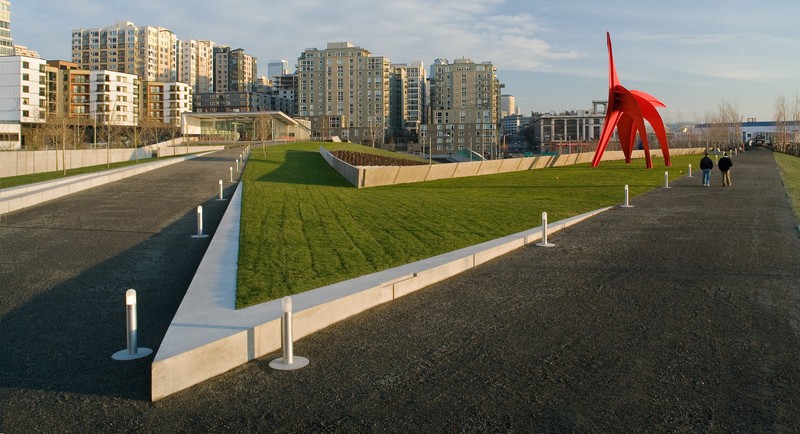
{"x": 680, "y": 314}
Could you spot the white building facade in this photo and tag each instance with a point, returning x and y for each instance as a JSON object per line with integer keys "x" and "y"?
{"x": 114, "y": 98}
{"x": 22, "y": 97}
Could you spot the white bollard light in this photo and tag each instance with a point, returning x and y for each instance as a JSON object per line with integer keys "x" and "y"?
{"x": 288, "y": 362}
{"x": 237, "y": 165}
{"x": 690, "y": 171}
{"x": 544, "y": 242}
{"x": 132, "y": 351}
{"x": 199, "y": 223}
{"x": 220, "y": 191}
{"x": 230, "y": 169}
{"x": 627, "y": 203}
{"x": 666, "y": 179}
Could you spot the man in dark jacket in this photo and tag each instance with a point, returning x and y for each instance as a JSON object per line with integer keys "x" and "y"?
{"x": 725, "y": 165}
{"x": 706, "y": 165}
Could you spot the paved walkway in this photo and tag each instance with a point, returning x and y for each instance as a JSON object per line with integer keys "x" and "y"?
{"x": 67, "y": 263}
{"x": 680, "y": 314}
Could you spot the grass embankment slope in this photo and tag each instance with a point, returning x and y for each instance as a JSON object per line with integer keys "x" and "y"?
{"x": 304, "y": 226}
{"x": 790, "y": 172}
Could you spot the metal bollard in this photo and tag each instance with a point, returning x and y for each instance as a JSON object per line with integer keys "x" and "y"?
{"x": 288, "y": 362}
{"x": 627, "y": 202}
{"x": 690, "y": 171}
{"x": 220, "y": 191}
{"x": 199, "y": 223}
{"x": 544, "y": 242}
{"x": 230, "y": 169}
{"x": 666, "y": 179}
{"x": 237, "y": 165}
{"x": 132, "y": 351}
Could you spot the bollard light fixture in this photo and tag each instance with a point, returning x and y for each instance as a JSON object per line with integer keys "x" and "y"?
{"x": 132, "y": 351}
{"x": 544, "y": 242}
{"x": 627, "y": 203}
{"x": 220, "y": 191}
{"x": 288, "y": 362}
{"x": 200, "y": 233}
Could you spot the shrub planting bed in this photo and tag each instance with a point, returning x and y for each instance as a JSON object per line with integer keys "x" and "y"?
{"x": 364, "y": 159}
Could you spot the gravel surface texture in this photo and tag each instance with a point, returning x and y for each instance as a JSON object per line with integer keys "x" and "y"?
{"x": 680, "y": 314}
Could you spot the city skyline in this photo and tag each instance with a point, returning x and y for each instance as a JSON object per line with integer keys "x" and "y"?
{"x": 550, "y": 57}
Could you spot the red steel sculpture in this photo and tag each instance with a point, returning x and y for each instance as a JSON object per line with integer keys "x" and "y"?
{"x": 627, "y": 110}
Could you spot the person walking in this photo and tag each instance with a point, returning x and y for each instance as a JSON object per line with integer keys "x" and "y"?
{"x": 725, "y": 165}
{"x": 706, "y": 165}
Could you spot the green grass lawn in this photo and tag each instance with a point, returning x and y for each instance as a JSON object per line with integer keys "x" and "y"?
{"x": 304, "y": 226}
{"x": 790, "y": 172}
{"x": 14, "y": 181}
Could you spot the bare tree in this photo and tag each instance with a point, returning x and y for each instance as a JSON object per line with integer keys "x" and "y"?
{"x": 782, "y": 114}
{"x": 79, "y": 127}
{"x": 58, "y": 132}
{"x": 376, "y": 130}
{"x": 729, "y": 115}
{"x": 264, "y": 126}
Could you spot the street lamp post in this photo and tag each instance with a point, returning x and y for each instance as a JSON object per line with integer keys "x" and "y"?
{"x": 430, "y": 149}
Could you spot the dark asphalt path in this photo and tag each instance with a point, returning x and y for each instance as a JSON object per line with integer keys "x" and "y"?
{"x": 66, "y": 265}
{"x": 680, "y": 314}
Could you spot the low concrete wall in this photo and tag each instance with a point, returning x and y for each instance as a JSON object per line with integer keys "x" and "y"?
{"x": 15, "y": 198}
{"x": 373, "y": 176}
{"x": 16, "y": 163}
{"x": 350, "y": 173}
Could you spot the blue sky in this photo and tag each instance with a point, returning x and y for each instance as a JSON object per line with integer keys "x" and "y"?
{"x": 692, "y": 55}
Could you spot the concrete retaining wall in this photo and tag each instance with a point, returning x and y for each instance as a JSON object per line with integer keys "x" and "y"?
{"x": 15, "y": 198}
{"x": 16, "y": 163}
{"x": 373, "y": 176}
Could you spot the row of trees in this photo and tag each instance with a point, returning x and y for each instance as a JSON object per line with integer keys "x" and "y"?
{"x": 61, "y": 132}
{"x": 787, "y": 124}
{"x": 724, "y": 127}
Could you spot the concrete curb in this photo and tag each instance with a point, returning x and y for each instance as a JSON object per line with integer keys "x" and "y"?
{"x": 16, "y": 198}
{"x": 208, "y": 336}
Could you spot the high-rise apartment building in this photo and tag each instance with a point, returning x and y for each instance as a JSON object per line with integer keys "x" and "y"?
{"x": 464, "y": 102}
{"x": 344, "y": 91}
{"x": 408, "y": 100}
{"x": 196, "y": 64}
{"x": 398, "y": 101}
{"x": 149, "y": 52}
{"x": 234, "y": 70}
{"x": 277, "y": 67}
{"x": 6, "y": 43}
{"x": 508, "y": 105}
{"x": 286, "y": 85}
